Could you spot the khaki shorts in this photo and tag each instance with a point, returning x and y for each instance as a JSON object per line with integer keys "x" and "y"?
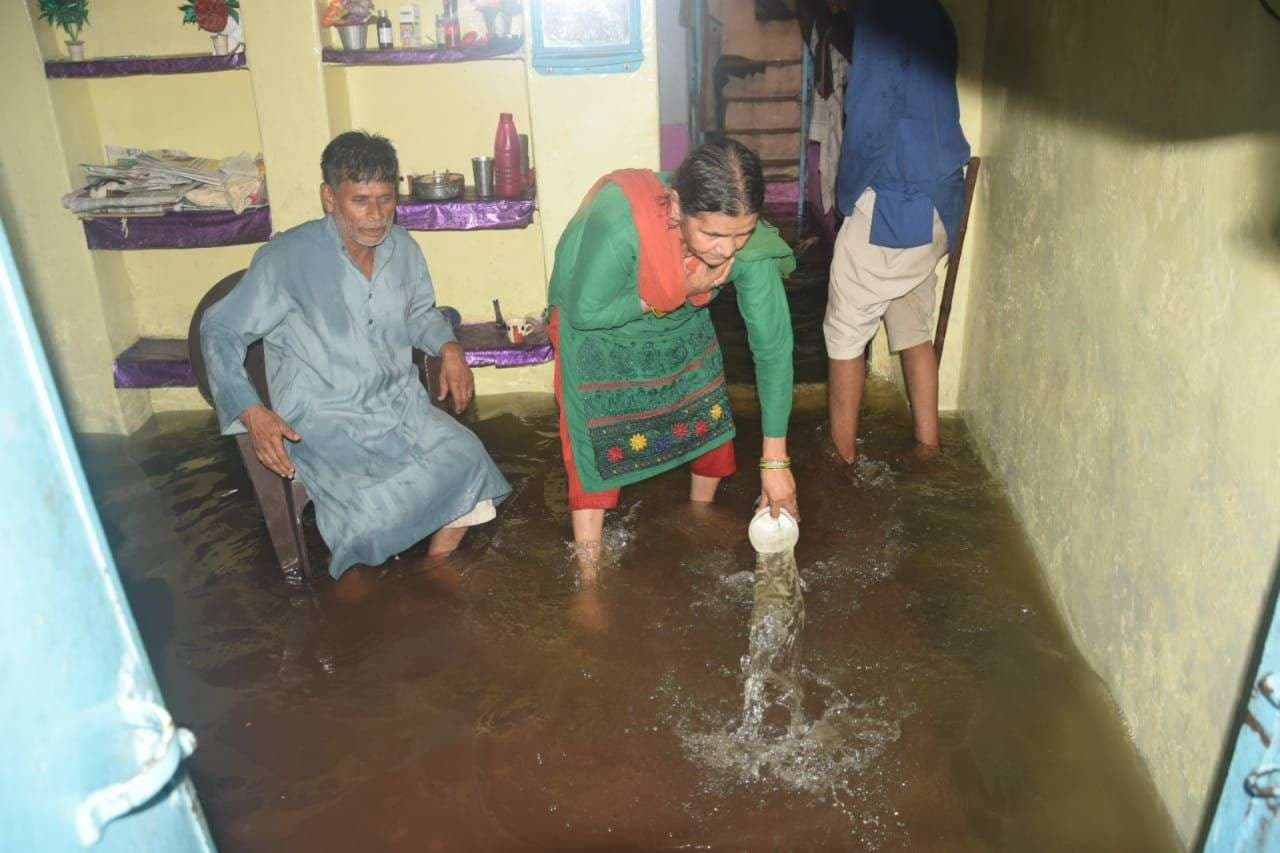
{"x": 871, "y": 282}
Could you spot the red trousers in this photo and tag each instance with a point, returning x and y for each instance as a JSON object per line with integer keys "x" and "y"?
{"x": 714, "y": 463}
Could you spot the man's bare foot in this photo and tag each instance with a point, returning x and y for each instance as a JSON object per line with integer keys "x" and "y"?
{"x": 445, "y": 541}
{"x": 355, "y": 585}
{"x": 441, "y": 569}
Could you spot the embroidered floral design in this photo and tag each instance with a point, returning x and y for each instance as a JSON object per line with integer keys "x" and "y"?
{"x": 639, "y": 442}
{"x": 717, "y": 412}
{"x": 700, "y": 427}
{"x": 615, "y": 454}
{"x": 681, "y": 430}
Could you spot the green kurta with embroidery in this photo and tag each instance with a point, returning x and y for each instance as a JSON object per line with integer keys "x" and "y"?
{"x": 642, "y": 394}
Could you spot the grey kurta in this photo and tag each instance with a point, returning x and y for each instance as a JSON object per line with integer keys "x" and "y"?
{"x": 384, "y": 466}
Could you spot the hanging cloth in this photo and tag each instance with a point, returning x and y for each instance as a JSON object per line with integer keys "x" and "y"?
{"x": 825, "y": 27}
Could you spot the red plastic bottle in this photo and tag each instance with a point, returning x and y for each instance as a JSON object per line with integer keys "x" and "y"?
{"x": 507, "y": 180}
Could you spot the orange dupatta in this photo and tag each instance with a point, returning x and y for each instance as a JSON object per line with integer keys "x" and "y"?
{"x": 660, "y": 261}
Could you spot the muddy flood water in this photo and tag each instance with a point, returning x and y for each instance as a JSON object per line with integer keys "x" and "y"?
{"x": 496, "y": 704}
{"x": 900, "y": 682}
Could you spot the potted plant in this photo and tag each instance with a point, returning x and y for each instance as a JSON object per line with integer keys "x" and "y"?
{"x": 70, "y": 16}
{"x": 211, "y": 16}
{"x": 351, "y": 19}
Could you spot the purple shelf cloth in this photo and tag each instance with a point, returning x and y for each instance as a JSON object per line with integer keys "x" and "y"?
{"x": 496, "y": 47}
{"x": 155, "y": 363}
{"x": 129, "y": 66}
{"x": 186, "y": 229}
{"x": 465, "y": 214}
{"x": 488, "y": 346}
{"x": 165, "y": 363}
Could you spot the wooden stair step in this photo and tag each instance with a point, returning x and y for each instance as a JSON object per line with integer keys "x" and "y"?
{"x": 761, "y": 99}
{"x": 759, "y": 131}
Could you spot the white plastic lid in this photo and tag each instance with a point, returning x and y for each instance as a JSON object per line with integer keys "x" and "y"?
{"x": 771, "y": 535}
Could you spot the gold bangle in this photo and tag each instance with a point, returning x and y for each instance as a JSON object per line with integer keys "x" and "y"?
{"x": 775, "y": 464}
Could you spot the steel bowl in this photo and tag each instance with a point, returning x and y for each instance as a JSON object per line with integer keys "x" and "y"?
{"x": 436, "y": 186}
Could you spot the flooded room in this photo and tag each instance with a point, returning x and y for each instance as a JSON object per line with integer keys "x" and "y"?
{"x": 640, "y": 425}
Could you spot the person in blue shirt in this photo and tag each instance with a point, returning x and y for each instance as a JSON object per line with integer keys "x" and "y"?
{"x": 900, "y": 187}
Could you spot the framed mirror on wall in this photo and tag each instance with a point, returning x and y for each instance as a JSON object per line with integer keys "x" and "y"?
{"x": 586, "y": 36}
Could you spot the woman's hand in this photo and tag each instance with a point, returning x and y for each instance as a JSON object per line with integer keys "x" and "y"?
{"x": 778, "y": 492}
{"x": 703, "y": 279}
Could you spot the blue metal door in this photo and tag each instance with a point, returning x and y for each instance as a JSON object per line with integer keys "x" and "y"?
{"x": 1248, "y": 813}
{"x": 90, "y": 757}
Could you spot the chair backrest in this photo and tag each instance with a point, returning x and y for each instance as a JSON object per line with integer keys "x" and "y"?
{"x": 254, "y": 360}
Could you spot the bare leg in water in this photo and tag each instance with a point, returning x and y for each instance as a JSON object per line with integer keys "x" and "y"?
{"x": 586, "y": 608}
{"x": 702, "y": 490}
{"x": 588, "y": 533}
{"x": 920, "y": 367}
{"x": 846, "y": 380}
{"x": 445, "y": 541}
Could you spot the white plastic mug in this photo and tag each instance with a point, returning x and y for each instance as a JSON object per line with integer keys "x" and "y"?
{"x": 771, "y": 535}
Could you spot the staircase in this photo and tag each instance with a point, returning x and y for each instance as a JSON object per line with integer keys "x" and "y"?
{"x": 762, "y": 111}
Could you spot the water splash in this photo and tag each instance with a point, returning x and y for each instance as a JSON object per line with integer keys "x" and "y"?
{"x": 777, "y": 620}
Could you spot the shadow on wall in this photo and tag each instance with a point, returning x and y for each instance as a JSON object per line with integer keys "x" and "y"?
{"x": 1151, "y": 71}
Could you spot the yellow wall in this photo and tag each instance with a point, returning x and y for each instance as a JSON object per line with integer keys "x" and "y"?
{"x": 453, "y": 120}
{"x": 587, "y": 125}
{"x": 1122, "y": 342}
{"x": 133, "y": 27}
{"x": 140, "y": 293}
{"x": 81, "y": 303}
{"x": 286, "y": 107}
{"x": 290, "y": 94}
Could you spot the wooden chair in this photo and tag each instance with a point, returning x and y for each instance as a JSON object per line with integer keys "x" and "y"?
{"x": 281, "y": 501}
{"x": 953, "y": 262}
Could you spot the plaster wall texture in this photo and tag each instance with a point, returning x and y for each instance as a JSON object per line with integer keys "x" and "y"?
{"x": 91, "y": 305}
{"x": 205, "y": 114}
{"x": 134, "y": 28}
{"x": 81, "y": 303}
{"x": 443, "y": 131}
{"x": 585, "y": 125}
{"x": 283, "y": 38}
{"x": 1119, "y": 367}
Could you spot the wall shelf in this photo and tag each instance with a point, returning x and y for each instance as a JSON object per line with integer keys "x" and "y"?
{"x": 187, "y": 229}
{"x": 495, "y": 48}
{"x": 131, "y": 66}
{"x": 166, "y": 362}
{"x": 466, "y": 214}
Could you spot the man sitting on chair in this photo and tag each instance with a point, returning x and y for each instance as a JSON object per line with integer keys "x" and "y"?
{"x": 339, "y": 303}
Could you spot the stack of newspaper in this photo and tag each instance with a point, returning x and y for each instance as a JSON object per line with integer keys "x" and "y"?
{"x": 152, "y": 183}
